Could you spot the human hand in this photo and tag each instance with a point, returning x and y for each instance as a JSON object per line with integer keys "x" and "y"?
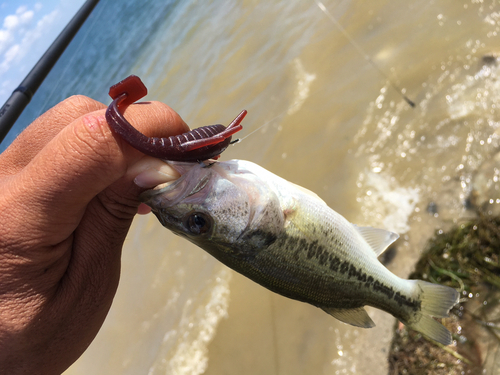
{"x": 68, "y": 199}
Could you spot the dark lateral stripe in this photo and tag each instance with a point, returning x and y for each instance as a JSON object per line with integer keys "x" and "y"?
{"x": 313, "y": 250}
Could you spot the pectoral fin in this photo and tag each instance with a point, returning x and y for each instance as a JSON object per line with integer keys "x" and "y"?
{"x": 357, "y": 317}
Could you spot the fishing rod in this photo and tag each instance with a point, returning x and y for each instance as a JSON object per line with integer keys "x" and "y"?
{"x": 22, "y": 95}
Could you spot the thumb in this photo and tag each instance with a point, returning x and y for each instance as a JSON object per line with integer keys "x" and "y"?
{"x": 85, "y": 158}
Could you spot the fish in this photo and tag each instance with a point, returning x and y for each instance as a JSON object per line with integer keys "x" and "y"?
{"x": 287, "y": 239}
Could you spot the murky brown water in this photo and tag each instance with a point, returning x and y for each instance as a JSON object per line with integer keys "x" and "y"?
{"x": 334, "y": 125}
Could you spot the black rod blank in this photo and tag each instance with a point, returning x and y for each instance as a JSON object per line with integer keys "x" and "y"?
{"x": 22, "y": 95}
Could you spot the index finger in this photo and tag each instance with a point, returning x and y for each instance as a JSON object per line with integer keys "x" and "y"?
{"x": 81, "y": 161}
{"x": 42, "y": 130}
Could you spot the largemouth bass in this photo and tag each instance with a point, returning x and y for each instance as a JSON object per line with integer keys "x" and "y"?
{"x": 288, "y": 240}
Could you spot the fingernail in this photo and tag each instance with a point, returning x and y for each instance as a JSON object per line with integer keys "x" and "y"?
{"x": 151, "y": 172}
{"x": 152, "y": 177}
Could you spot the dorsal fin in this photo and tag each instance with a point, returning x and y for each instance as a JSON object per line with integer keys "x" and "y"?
{"x": 378, "y": 239}
{"x": 357, "y": 317}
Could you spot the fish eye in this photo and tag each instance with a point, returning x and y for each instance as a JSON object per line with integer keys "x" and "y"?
{"x": 198, "y": 223}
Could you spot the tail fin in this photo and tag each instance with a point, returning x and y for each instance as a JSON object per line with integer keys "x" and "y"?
{"x": 437, "y": 300}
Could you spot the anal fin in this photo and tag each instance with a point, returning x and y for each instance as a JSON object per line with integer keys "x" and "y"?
{"x": 357, "y": 317}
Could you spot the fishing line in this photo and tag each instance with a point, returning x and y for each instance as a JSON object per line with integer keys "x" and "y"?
{"x": 359, "y": 49}
{"x": 55, "y": 86}
{"x": 362, "y": 52}
{"x": 291, "y": 107}
{"x": 275, "y": 341}
{"x": 258, "y": 128}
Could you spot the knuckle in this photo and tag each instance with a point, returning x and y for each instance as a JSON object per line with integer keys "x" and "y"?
{"x": 81, "y": 104}
{"x": 93, "y": 139}
{"x": 119, "y": 203}
{"x": 156, "y": 118}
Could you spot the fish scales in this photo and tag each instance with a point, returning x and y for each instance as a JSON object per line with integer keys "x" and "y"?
{"x": 287, "y": 239}
{"x": 325, "y": 273}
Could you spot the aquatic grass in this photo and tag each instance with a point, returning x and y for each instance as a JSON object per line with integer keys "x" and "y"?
{"x": 466, "y": 257}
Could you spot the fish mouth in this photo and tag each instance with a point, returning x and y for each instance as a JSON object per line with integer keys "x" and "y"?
{"x": 194, "y": 177}
{"x": 165, "y": 195}
{"x": 148, "y": 195}
{"x": 180, "y": 167}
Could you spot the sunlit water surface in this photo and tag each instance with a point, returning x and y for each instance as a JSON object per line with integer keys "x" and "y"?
{"x": 320, "y": 115}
